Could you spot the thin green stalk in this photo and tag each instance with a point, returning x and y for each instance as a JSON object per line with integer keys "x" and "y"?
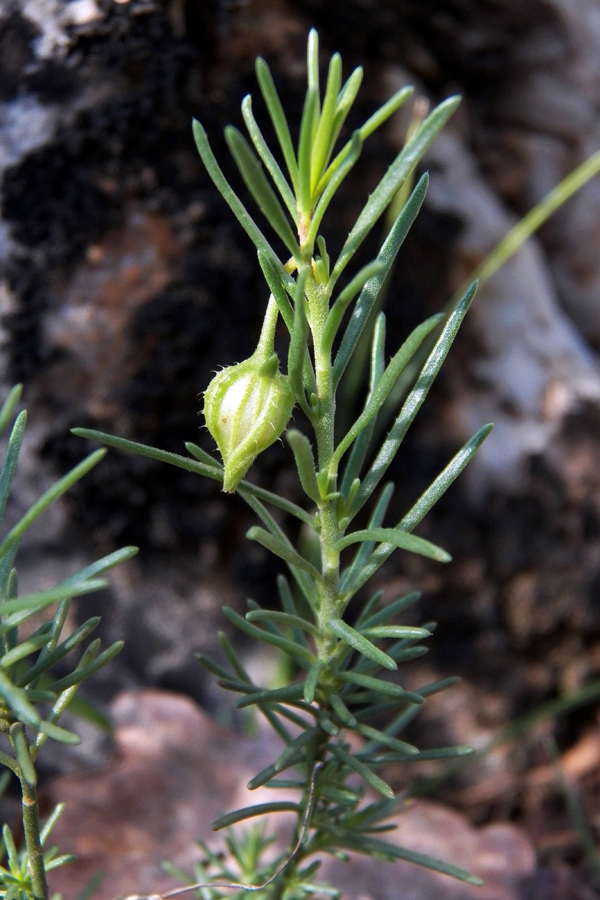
{"x": 31, "y": 827}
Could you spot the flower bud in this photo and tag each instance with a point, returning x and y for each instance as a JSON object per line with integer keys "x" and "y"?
{"x": 246, "y": 408}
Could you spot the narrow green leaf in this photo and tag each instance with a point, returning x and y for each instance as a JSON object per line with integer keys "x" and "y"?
{"x": 50, "y": 822}
{"x": 267, "y": 623}
{"x": 22, "y": 650}
{"x": 57, "y": 490}
{"x": 384, "y": 112}
{"x": 396, "y": 631}
{"x": 57, "y": 624}
{"x": 41, "y": 599}
{"x": 277, "y": 695}
{"x": 59, "y": 652}
{"x": 382, "y": 850}
{"x": 49, "y": 728}
{"x": 89, "y": 712}
{"x": 249, "y": 492}
{"x": 304, "y": 581}
{"x": 375, "y": 706}
{"x": 360, "y": 447}
{"x": 268, "y": 159}
{"x": 272, "y": 615}
{"x": 435, "y": 687}
{"x": 374, "y": 684}
{"x": 414, "y": 401}
{"x": 297, "y": 353}
{"x": 284, "y": 551}
{"x": 312, "y": 60}
{"x": 342, "y": 711}
{"x": 400, "y": 651}
{"x": 360, "y": 643}
{"x": 377, "y": 783}
{"x": 285, "y": 783}
{"x": 366, "y": 547}
{"x": 36, "y": 695}
{"x": 19, "y": 742}
{"x": 59, "y": 861}
{"x": 12, "y": 457}
{"x": 293, "y": 753}
{"x": 211, "y": 666}
{"x": 374, "y": 122}
{"x": 386, "y": 383}
{"x": 371, "y": 814}
{"x": 261, "y": 809}
{"x": 256, "y": 182}
{"x": 101, "y": 565}
{"x": 79, "y": 675}
{"x": 6, "y": 566}
{"x": 11, "y": 850}
{"x": 202, "y": 456}
{"x": 346, "y": 297}
{"x": 262, "y": 777}
{"x": 327, "y": 725}
{"x": 444, "y": 479}
{"x": 409, "y": 653}
{"x": 17, "y": 701}
{"x": 305, "y": 463}
{"x": 393, "y": 609}
{"x": 9, "y": 406}
{"x": 300, "y": 654}
{"x": 322, "y": 142}
{"x": 287, "y": 601}
{"x": 370, "y": 292}
{"x": 425, "y": 503}
{"x": 230, "y": 197}
{"x": 400, "y": 539}
{"x": 11, "y": 638}
{"x": 244, "y": 488}
{"x": 344, "y": 103}
{"x": 309, "y": 118}
{"x": 399, "y": 170}
{"x": 277, "y": 290}
{"x": 369, "y": 607}
{"x": 457, "y": 752}
{"x": 271, "y": 98}
{"x": 402, "y": 720}
{"x": 312, "y": 680}
{"x": 388, "y": 741}
{"x": 331, "y": 187}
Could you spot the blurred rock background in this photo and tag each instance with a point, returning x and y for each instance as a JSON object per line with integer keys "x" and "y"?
{"x": 126, "y": 282}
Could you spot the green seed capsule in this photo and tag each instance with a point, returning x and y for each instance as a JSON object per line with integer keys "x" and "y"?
{"x": 246, "y": 408}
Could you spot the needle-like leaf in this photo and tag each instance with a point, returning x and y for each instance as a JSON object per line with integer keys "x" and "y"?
{"x": 395, "y": 176}
{"x": 268, "y": 159}
{"x": 413, "y": 402}
{"x": 278, "y": 118}
{"x": 360, "y": 643}
{"x": 256, "y": 182}
{"x": 368, "y": 296}
{"x": 400, "y": 539}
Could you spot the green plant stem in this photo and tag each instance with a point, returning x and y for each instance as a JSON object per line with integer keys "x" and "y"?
{"x": 31, "y": 827}
{"x": 324, "y": 432}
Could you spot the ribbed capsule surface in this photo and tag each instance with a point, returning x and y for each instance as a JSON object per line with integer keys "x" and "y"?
{"x": 246, "y": 408}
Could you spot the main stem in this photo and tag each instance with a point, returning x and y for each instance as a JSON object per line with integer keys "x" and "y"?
{"x": 31, "y": 826}
{"x": 324, "y": 426}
